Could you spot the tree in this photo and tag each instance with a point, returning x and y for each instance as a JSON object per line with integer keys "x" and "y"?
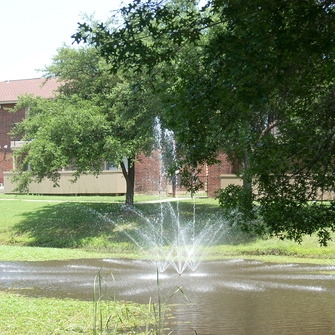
{"x": 61, "y": 133}
{"x": 97, "y": 116}
{"x": 258, "y": 85}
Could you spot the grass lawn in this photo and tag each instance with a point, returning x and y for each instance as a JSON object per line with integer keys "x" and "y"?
{"x": 21, "y": 315}
{"x": 68, "y": 227}
{"x": 38, "y": 228}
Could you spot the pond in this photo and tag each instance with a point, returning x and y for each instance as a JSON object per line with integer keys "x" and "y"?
{"x": 235, "y": 297}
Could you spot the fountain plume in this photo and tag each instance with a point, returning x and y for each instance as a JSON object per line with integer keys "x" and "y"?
{"x": 165, "y": 238}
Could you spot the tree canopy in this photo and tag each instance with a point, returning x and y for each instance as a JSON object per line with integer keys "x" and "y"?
{"x": 97, "y": 117}
{"x": 253, "y": 79}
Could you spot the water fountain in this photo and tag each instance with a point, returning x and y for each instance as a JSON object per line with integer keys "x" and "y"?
{"x": 166, "y": 238}
{"x": 236, "y": 297}
{"x": 169, "y": 241}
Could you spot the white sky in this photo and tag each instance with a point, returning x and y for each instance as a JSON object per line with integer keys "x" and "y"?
{"x": 31, "y": 31}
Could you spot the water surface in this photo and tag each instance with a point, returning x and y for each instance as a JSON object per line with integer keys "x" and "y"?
{"x": 235, "y": 297}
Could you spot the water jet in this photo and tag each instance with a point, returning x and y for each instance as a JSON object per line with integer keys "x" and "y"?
{"x": 165, "y": 237}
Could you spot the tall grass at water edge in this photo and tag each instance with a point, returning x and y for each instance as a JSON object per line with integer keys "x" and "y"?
{"x": 107, "y": 319}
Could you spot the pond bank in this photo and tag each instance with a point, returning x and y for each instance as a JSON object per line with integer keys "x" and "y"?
{"x": 25, "y": 253}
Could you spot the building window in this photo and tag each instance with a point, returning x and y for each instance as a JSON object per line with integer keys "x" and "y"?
{"x": 110, "y": 166}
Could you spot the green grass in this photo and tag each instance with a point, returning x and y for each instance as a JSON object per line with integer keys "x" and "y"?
{"x": 21, "y": 315}
{"x": 79, "y": 198}
{"x": 275, "y": 250}
{"x": 90, "y": 226}
{"x": 25, "y": 315}
{"x": 38, "y": 228}
{"x": 60, "y": 198}
{"x": 60, "y": 227}
{"x": 24, "y": 253}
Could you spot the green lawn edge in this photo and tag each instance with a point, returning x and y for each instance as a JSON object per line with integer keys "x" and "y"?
{"x": 34, "y": 212}
{"x": 40, "y": 315}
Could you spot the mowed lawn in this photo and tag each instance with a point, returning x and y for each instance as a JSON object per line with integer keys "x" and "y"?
{"x": 41, "y": 228}
{"x": 60, "y": 227}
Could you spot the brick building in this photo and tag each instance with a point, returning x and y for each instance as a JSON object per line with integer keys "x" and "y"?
{"x": 9, "y": 93}
{"x": 213, "y": 177}
{"x": 148, "y": 178}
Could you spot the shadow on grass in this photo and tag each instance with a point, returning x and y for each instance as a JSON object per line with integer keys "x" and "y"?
{"x": 109, "y": 226}
{"x": 71, "y": 225}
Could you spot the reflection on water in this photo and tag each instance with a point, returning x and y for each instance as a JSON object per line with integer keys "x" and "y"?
{"x": 228, "y": 297}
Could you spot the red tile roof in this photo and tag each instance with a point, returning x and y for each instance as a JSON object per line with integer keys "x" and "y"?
{"x": 12, "y": 89}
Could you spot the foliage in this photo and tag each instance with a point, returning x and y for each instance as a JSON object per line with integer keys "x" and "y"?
{"x": 251, "y": 79}
{"x": 97, "y": 117}
{"x": 63, "y": 133}
{"x": 234, "y": 197}
{"x": 235, "y": 201}
{"x": 191, "y": 179}
{"x": 302, "y": 218}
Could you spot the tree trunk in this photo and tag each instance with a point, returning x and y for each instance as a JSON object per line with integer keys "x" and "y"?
{"x": 129, "y": 175}
{"x": 247, "y": 184}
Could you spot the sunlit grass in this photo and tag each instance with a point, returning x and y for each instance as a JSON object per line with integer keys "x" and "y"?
{"x": 275, "y": 250}
{"x": 79, "y": 198}
{"x": 24, "y": 253}
{"x": 35, "y": 228}
{"x": 66, "y": 228}
{"x": 22, "y": 315}
{"x": 90, "y": 225}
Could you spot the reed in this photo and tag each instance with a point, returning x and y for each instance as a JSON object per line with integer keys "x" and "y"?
{"x": 112, "y": 319}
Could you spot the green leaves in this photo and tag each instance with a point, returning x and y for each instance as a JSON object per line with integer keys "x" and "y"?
{"x": 63, "y": 134}
{"x": 151, "y": 33}
{"x": 97, "y": 116}
{"x": 251, "y": 79}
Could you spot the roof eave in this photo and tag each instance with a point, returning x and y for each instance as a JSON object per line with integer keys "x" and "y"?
{"x": 8, "y": 102}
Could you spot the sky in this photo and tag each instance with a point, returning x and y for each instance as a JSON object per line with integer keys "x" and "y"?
{"x": 31, "y": 31}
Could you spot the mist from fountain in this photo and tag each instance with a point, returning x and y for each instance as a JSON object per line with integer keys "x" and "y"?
{"x": 166, "y": 238}
{"x": 168, "y": 241}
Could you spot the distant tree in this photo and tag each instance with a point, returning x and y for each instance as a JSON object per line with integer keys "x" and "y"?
{"x": 98, "y": 116}
{"x": 258, "y": 84}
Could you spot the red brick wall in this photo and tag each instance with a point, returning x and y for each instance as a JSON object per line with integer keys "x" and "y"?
{"x": 148, "y": 177}
{"x": 7, "y": 120}
{"x": 147, "y": 174}
{"x": 6, "y": 163}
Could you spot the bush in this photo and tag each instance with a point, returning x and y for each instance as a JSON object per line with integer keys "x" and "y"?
{"x": 241, "y": 212}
